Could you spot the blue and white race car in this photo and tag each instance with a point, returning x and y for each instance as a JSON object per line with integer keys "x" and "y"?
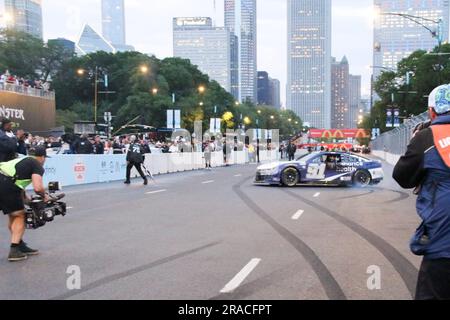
{"x": 323, "y": 169}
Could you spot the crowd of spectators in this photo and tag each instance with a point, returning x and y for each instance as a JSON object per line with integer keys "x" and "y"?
{"x": 8, "y": 79}
{"x": 88, "y": 145}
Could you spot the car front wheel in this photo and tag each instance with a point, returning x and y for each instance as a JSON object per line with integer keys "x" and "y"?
{"x": 290, "y": 177}
{"x": 362, "y": 179}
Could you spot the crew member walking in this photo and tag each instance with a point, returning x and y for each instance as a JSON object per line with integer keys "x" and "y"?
{"x": 135, "y": 158}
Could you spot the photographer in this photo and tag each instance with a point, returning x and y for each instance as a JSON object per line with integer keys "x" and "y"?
{"x": 15, "y": 176}
{"x": 426, "y": 167}
{"x": 135, "y": 158}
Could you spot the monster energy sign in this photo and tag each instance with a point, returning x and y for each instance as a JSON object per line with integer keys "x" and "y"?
{"x": 12, "y": 114}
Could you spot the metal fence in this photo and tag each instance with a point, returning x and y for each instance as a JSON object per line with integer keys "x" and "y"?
{"x": 50, "y": 95}
{"x": 396, "y": 141}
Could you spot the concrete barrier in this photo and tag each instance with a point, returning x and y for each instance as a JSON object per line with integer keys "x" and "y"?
{"x": 71, "y": 170}
{"x": 386, "y": 156}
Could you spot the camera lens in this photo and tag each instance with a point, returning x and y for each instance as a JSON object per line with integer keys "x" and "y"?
{"x": 49, "y": 215}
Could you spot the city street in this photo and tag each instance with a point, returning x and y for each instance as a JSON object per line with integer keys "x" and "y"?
{"x": 214, "y": 235}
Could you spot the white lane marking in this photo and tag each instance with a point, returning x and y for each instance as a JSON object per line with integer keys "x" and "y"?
{"x": 317, "y": 195}
{"x": 207, "y": 182}
{"x": 238, "y": 175}
{"x": 298, "y": 215}
{"x": 155, "y": 192}
{"x": 241, "y": 276}
{"x": 69, "y": 208}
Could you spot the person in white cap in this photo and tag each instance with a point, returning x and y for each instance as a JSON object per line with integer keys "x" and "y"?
{"x": 426, "y": 167}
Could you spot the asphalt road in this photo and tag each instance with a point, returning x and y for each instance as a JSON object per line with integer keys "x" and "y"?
{"x": 213, "y": 235}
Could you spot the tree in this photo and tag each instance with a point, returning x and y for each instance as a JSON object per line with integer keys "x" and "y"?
{"x": 408, "y": 88}
{"x": 21, "y": 53}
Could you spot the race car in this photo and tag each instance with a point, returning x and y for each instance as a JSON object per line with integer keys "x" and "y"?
{"x": 322, "y": 168}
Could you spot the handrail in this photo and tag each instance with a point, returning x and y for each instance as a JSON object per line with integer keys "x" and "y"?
{"x": 29, "y": 91}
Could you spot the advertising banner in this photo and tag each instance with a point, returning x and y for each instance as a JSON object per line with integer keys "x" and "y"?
{"x": 32, "y": 114}
{"x": 215, "y": 125}
{"x": 338, "y": 134}
{"x": 174, "y": 119}
{"x": 396, "y": 118}
{"x": 389, "y": 118}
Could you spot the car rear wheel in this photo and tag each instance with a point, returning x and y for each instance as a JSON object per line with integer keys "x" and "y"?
{"x": 290, "y": 177}
{"x": 362, "y": 179}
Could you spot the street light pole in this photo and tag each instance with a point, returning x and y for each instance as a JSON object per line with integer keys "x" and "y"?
{"x": 421, "y": 22}
{"x": 96, "y": 95}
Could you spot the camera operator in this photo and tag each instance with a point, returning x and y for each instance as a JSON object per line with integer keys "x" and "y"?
{"x": 135, "y": 158}
{"x": 426, "y": 167}
{"x": 15, "y": 176}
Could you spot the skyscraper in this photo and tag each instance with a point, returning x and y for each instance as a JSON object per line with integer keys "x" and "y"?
{"x": 264, "y": 94}
{"x": 207, "y": 47}
{"x": 309, "y": 61}
{"x": 340, "y": 118}
{"x": 25, "y": 15}
{"x": 275, "y": 88}
{"x": 354, "y": 100}
{"x": 91, "y": 41}
{"x": 240, "y": 19}
{"x": 396, "y": 37}
{"x": 113, "y": 21}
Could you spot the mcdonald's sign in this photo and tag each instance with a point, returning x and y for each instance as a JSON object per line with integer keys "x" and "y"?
{"x": 338, "y": 134}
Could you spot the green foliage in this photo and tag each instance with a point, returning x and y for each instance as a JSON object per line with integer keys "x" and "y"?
{"x": 138, "y": 85}
{"x": 427, "y": 71}
{"x": 66, "y": 119}
{"x": 26, "y": 56}
{"x": 20, "y": 53}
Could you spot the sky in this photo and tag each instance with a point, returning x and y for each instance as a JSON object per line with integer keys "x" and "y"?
{"x": 149, "y": 29}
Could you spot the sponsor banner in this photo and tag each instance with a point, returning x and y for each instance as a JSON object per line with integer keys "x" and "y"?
{"x": 32, "y": 114}
{"x": 174, "y": 119}
{"x": 389, "y": 118}
{"x": 396, "y": 118}
{"x": 72, "y": 170}
{"x": 75, "y": 169}
{"x": 338, "y": 134}
{"x": 215, "y": 125}
{"x": 329, "y": 146}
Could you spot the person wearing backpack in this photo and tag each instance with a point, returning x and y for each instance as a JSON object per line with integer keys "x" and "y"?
{"x": 426, "y": 167}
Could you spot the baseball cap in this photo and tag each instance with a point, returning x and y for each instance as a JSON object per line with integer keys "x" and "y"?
{"x": 39, "y": 151}
{"x": 439, "y": 99}
{"x": 4, "y": 121}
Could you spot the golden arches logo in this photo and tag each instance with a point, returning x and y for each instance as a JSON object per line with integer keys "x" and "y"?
{"x": 339, "y": 134}
{"x": 327, "y": 134}
{"x": 362, "y": 134}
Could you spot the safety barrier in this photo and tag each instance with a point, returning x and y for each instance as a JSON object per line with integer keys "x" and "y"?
{"x": 392, "y": 144}
{"x": 396, "y": 141}
{"x": 72, "y": 170}
{"x": 386, "y": 156}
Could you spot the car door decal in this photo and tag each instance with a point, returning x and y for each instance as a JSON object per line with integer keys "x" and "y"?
{"x": 316, "y": 171}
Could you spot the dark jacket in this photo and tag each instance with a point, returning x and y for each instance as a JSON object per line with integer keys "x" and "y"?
{"x": 84, "y": 146}
{"x": 135, "y": 153}
{"x": 8, "y": 147}
{"x": 98, "y": 148}
{"x": 291, "y": 149}
{"x": 22, "y": 148}
{"x": 422, "y": 166}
